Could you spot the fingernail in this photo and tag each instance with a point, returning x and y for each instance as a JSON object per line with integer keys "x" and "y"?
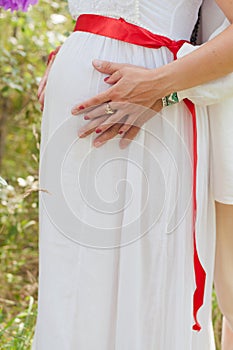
{"x": 121, "y": 132}
{"x": 97, "y": 63}
{"x": 98, "y": 131}
{"x": 76, "y": 109}
{"x": 106, "y": 79}
{"x": 86, "y": 117}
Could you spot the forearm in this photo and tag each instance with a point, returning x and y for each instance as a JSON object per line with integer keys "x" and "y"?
{"x": 209, "y": 62}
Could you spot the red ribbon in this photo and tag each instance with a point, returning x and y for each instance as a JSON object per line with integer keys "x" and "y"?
{"x": 119, "y": 29}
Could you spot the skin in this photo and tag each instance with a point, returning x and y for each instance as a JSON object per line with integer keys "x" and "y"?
{"x": 224, "y": 269}
{"x": 43, "y": 82}
{"x": 227, "y": 336}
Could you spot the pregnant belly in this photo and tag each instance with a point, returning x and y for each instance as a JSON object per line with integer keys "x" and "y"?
{"x": 73, "y": 73}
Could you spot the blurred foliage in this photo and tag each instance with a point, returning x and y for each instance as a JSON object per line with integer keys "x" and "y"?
{"x": 26, "y": 39}
{"x": 24, "y": 46}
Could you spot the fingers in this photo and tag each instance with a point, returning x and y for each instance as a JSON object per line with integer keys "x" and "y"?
{"x": 125, "y": 114}
{"x": 41, "y": 99}
{"x": 107, "y": 135}
{"x": 129, "y": 136}
{"x": 114, "y": 78}
{"x": 110, "y": 121}
{"x": 94, "y": 101}
{"x": 133, "y": 125}
{"x": 107, "y": 67}
{"x": 121, "y": 109}
{"x": 45, "y": 77}
{"x": 128, "y": 120}
{"x": 101, "y": 110}
{"x": 128, "y": 124}
{"x": 95, "y": 112}
{"x": 110, "y": 94}
{"x": 91, "y": 127}
{"x": 130, "y": 133}
{"x": 42, "y": 84}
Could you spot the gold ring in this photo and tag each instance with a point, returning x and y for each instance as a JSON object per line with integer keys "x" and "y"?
{"x": 109, "y": 110}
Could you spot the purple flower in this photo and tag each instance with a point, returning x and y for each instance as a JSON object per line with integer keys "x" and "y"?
{"x": 15, "y": 5}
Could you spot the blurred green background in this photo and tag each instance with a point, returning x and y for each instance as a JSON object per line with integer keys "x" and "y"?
{"x": 26, "y": 39}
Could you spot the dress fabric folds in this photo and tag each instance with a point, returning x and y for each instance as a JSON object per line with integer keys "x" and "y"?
{"x": 116, "y": 237}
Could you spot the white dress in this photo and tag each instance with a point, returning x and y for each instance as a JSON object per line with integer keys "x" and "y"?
{"x": 116, "y": 240}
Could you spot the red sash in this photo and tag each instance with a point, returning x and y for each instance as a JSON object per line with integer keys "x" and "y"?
{"x": 119, "y": 29}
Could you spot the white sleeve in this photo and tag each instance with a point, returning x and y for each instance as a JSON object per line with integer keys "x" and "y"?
{"x": 212, "y": 92}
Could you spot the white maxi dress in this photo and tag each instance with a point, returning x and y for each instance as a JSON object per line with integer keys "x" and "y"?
{"x": 116, "y": 238}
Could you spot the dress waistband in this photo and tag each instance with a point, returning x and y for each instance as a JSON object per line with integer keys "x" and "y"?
{"x": 119, "y": 29}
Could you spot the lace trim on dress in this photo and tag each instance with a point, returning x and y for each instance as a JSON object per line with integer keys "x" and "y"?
{"x": 114, "y": 8}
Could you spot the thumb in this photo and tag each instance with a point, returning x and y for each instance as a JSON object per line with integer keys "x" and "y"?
{"x": 106, "y": 67}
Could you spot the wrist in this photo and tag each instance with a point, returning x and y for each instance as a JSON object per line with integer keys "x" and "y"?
{"x": 164, "y": 80}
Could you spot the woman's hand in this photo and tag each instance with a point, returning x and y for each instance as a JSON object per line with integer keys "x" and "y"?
{"x": 135, "y": 105}
{"x": 43, "y": 82}
{"x": 131, "y": 84}
{"x": 126, "y": 120}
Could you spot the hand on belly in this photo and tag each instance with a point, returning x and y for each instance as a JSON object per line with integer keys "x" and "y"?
{"x": 122, "y": 109}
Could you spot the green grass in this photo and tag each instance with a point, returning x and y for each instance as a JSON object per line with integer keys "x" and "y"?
{"x": 17, "y": 332}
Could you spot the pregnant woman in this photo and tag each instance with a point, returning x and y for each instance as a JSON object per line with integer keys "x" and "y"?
{"x": 127, "y": 233}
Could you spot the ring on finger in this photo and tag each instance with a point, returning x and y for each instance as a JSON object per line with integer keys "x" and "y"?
{"x": 109, "y": 110}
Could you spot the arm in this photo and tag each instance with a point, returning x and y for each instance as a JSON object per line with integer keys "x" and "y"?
{"x": 214, "y": 91}
{"x": 138, "y": 85}
{"x": 209, "y": 62}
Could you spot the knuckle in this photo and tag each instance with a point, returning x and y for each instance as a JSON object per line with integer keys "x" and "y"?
{"x": 107, "y": 65}
{"x": 124, "y": 70}
{"x": 115, "y": 95}
{"x": 114, "y": 118}
{"x": 107, "y": 95}
{"x": 95, "y": 102}
{"x": 121, "y": 72}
